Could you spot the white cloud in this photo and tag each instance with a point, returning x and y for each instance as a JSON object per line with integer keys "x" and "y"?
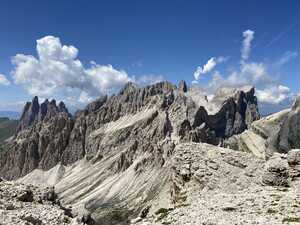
{"x": 248, "y": 73}
{"x": 106, "y": 78}
{"x": 4, "y": 80}
{"x": 274, "y": 94}
{"x": 268, "y": 90}
{"x": 149, "y": 79}
{"x": 208, "y": 67}
{"x": 246, "y": 46}
{"x": 56, "y": 72}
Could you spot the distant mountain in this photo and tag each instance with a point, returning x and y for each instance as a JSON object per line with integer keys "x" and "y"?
{"x": 7, "y": 129}
{"x": 10, "y": 114}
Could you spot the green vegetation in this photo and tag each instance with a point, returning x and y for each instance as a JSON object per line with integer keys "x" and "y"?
{"x": 162, "y": 212}
{"x": 7, "y": 129}
{"x": 291, "y": 220}
{"x": 110, "y": 216}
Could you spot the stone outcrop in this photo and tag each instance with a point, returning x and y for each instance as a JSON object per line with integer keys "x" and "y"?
{"x": 289, "y": 136}
{"x": 213, "y": 185}
{"x": 293, "y": 158}
{"x": 276, "y": 172}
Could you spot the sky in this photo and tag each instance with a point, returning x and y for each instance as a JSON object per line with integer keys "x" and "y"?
{"x": 78, "y": 50}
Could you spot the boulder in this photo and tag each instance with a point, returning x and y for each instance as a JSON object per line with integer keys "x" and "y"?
{"x": 26, "y": 196}
{"x": 276, "y": 172}
{"x": 293, "y": 157}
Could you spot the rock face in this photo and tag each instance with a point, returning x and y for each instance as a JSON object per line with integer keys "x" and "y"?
{"x": 30, "y": 114}
{"x": 235, "y": 113}
{"x": 289, "y": 136}
{"x": 42, "y": 135}
{"x": 47, "y": 134}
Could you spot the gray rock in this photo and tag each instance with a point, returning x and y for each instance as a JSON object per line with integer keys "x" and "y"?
{"x": 30, "y": 211}
{"x": 26, "y": 196}
{"x": 289, "y": 135}
{"x": 276, "y": 172}
{"x": 293, "y": 157}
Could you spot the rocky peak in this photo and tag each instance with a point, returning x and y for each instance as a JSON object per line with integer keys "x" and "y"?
{"x": 95, "y": 105}
{"x": 182, "y": 86}
{"x": 43, "y": 110}
{"x": 62, "y": 107}
{"x": 29, "y": 114}
{"x": 33, "y": 112}
{"x": 128, "y": 88}
{"x": 296, "y": 103}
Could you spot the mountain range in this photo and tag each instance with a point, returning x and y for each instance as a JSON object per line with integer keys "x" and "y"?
{"x": 159, "y": 154}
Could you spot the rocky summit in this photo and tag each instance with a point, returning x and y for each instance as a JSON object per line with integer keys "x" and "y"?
{"x": 159, "y": 154}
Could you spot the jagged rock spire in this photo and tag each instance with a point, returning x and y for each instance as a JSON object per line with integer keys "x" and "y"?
{"x": 30, "y": 114}
{"x": 182, "y": 87}
{"x": 33, "y": 112}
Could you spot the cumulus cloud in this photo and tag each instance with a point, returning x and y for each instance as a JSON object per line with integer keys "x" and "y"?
{"x": 246, "y": 46}
{"x": 269, "y": 91}
{"x": 274, "y": 94}
{"x": 208, "y": 67}
{"x": 248, "y": 73}
{"x": 4, "y": 80}
{"x": 57, "y": 72}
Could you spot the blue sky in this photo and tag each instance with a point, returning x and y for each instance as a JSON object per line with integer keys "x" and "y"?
{"x": 142, "y": 39}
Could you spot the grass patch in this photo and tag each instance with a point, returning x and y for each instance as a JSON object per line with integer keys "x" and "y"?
{"x": 7, "y": 128}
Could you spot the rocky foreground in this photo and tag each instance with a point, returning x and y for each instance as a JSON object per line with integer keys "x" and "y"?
{"x": 215, "y": 186}
{"x": 23, "y": 204}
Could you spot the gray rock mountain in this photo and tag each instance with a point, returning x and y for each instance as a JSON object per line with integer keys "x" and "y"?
{"x": 47, "y": 135}
{"x": 118, "y": 151}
